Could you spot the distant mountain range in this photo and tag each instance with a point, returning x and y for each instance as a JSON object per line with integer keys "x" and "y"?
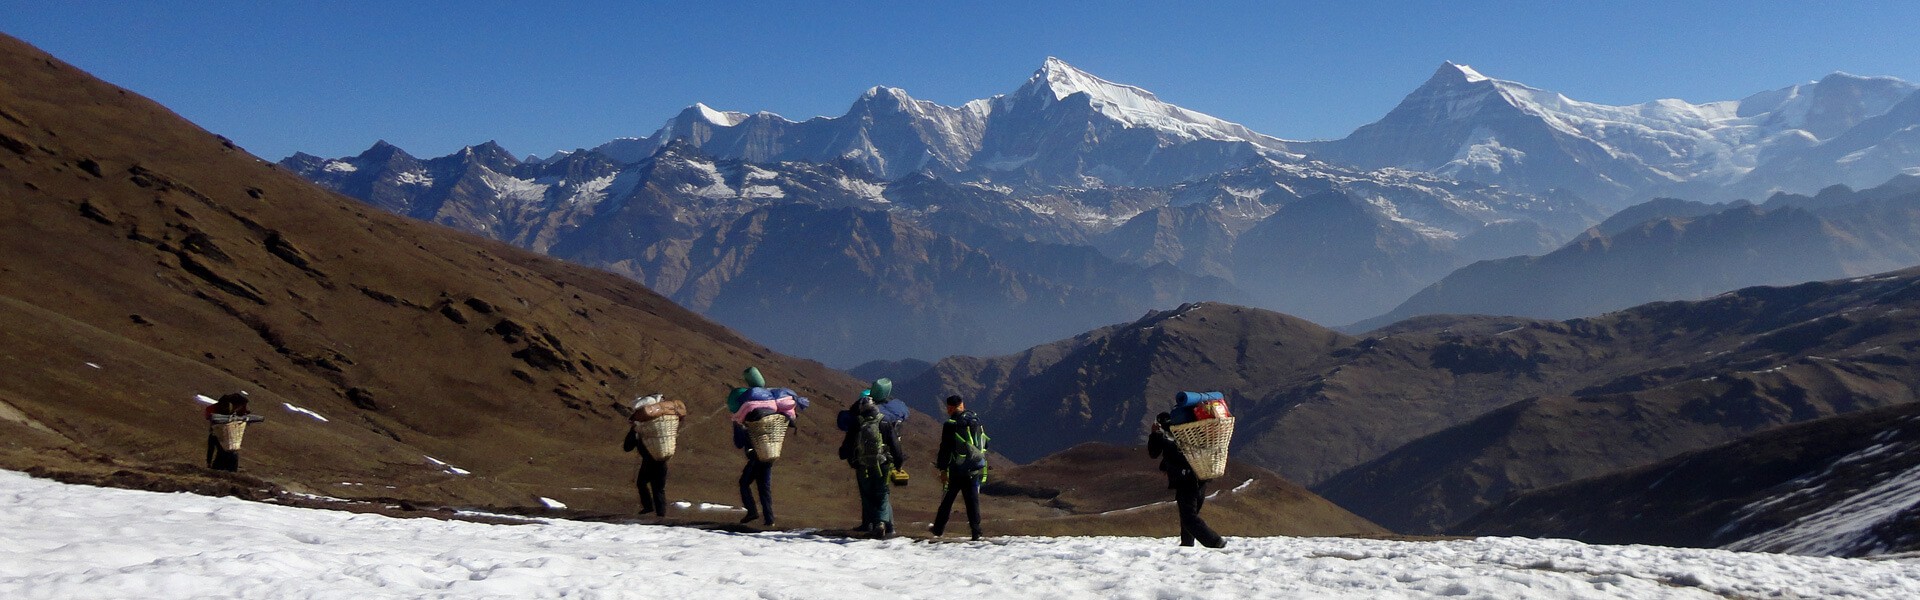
{"x": 1084, "y": 202}
{"x": 1842, "y": 129}
{"x": 958, "y": 260}
{"x": 1670, "y": 249}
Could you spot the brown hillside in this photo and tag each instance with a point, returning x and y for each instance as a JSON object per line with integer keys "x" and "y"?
{"x": 181, "y": 265}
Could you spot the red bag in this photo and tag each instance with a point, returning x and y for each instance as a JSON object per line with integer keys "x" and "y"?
{"x": 1211, "y": 409}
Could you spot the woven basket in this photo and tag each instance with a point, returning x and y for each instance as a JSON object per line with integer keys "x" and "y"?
{"x": 767, "y": 435}
{"x": 230, "y": 434}
{"x": 1205, "y": 445}
{"x": 660, "y": 435}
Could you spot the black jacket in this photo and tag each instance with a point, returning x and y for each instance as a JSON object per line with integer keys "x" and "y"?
{"x": 1172, "y": 460}
{"x": 950, "y": 433}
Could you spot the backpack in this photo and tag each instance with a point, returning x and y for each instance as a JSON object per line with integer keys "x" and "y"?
{"x": 870, "y": 444}
{"x": 969, "y": 445}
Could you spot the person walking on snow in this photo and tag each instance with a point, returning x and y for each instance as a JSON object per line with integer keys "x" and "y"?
{"x": 962, "y": 463}
{"x": 1189, "y": 492}
{"x": 756, "y": 473}
{"x": 652, "y": 479}
{"x": 872, "y": 445}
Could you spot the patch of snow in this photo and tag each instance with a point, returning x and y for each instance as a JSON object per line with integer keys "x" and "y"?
{"x": 70, "y": 541}
{"x": 416, "y": 178}
{"x": 1845, "y": 525}
{"x": 449, "y": 468}
{"x": 551, "y": 503}
{"x": 704, "y": 506}
{"x": 340, "y": 166}
{"x": 93, "y": 365}
{"x": 514, "y": 189}
{"x": 203, "y": 399}
{"x": 303, "y": 411}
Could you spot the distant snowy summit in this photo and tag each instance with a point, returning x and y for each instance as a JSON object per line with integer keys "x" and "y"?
{"x": 1466, "y": 125}
{"x": 1067, "y": 128}
{"x": 1063, "y": 127}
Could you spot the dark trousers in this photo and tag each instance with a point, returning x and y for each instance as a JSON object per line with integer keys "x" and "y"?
{"x": 652, "y": 482}
{"x": 965, "y": 484}
{"x": 1191, "y": 496}
{"x": 759, "y": 473}
{"x": 876, "y": 490}
{"x": 220, "y": 459}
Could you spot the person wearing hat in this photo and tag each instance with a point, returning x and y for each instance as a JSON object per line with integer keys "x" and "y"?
{"x": 1189, "y": 492}
{"x": 228, "y": 409}
{"x": 756, "y": 473}
{"x": 872, "y": 446}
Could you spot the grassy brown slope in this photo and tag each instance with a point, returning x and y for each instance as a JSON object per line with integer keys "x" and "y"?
{"x": 182, "y": 265}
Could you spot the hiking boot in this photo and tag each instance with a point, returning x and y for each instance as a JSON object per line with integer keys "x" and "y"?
{"x": 878, "y": 531}
{"x": 751, "y": 517}
{"x": 889, "y": 528}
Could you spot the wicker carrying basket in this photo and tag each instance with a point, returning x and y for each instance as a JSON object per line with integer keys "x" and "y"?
{"x": 767, "y": 435}
{"x": 230, "y": 434}
{"x": 660, "y": 435}
{"x": 1204, "y": 443}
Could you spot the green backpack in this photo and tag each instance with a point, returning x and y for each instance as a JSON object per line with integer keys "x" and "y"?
{"x": 870, "y": 444}
{"x": 970, "y": 446}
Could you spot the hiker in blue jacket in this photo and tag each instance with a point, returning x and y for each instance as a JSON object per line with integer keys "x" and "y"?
{"x": 1189, "y": 492}
{"x": 962, "y": 463}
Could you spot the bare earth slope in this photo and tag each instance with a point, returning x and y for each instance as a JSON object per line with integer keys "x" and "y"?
{"x": 146, "y": 261}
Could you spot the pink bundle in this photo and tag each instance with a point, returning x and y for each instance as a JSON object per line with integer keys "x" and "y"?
{"x": 784, "y": 405}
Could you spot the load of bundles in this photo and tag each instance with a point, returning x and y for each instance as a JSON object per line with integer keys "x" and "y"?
{"x": 656, "y": 421}
{"x": 1202, "y": 428}
{"x": 767, "y": 413}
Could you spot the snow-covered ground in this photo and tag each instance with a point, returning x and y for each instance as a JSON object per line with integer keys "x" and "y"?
{"x": 67, "y": 541}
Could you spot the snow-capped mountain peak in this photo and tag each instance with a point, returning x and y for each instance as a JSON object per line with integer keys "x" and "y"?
{"x": 1454, "y": 70}
{"x": 717, "y": 117}
{"x": 1062, "y": 80}
{"x": 1132, "y": 106}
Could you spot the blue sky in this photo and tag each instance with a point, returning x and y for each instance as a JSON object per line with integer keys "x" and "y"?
{"x": 331, "y": 77}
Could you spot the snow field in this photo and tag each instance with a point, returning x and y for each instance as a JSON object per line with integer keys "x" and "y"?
{"x": 67, "y": 541}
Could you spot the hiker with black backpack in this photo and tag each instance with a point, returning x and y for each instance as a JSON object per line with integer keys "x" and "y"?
{"x": 1189, "y": 491}
{"x": 872, "y": 446}
{"x": 962, "y": 462}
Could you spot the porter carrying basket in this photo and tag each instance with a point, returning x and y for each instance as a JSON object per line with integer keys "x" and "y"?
{"x": 661, "y": 435}
{"x": 230, "y": 434}
{"x": 767, "y": 435}
{"x": 1204, "y": 442}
